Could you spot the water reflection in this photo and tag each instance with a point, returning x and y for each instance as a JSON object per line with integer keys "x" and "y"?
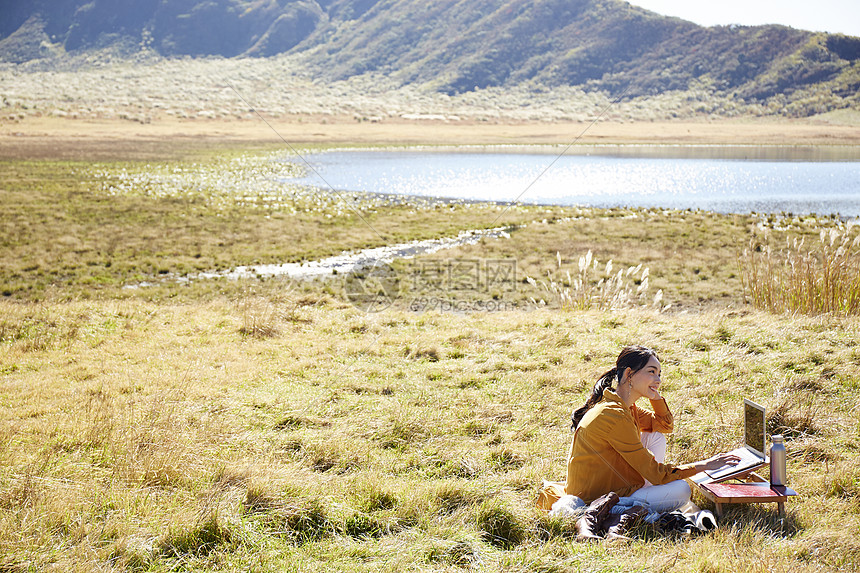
{"x": 727, "y": 179}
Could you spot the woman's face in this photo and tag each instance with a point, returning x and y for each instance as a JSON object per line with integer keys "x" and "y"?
{"x": 646, "y": 381}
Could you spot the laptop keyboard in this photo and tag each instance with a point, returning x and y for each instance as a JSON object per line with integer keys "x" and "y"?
{"x": 748, "y": 459}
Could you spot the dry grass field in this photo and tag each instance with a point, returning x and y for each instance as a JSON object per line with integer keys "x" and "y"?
{"x": 281, "y": 432}
{"x": 100, "y": 106}
{"x": 271, "y": 425}
{"x": 150, "y": 89}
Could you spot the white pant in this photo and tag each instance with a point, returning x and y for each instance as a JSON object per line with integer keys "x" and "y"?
{"x": 666, "y": 497}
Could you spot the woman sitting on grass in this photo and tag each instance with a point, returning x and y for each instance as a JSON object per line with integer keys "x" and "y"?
{"x": 619, "y": 449}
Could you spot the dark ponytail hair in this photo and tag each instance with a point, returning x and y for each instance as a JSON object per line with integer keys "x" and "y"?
{"x": 633, "y": 357}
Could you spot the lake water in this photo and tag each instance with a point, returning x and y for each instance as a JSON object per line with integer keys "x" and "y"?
{"x": 726, "y": 179}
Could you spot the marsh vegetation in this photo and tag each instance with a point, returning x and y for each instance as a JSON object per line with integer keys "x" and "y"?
{"x": 271, "y": 425}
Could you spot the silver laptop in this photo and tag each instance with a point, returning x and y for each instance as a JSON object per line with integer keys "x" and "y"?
{"x": 752, "y": 454}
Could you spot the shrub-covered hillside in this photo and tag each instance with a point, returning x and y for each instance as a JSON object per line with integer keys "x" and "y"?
{"x": 454, "y": 46}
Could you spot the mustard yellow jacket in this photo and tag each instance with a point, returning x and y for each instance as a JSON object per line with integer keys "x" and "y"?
{"x": 607, "y": 455}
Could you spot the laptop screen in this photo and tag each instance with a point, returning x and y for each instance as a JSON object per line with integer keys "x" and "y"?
{"x": 754, "y": 426}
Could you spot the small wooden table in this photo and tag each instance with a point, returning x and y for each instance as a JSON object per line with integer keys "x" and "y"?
{"x": 755, "y": 489}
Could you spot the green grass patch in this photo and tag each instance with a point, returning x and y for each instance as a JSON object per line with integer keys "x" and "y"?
{"x": 81, "y": 229}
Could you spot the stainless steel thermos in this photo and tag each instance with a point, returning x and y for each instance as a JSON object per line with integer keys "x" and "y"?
{"x": 777, "y": 461}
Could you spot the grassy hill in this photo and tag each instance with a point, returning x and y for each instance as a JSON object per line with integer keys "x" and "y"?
{"x": 454, "y": 46}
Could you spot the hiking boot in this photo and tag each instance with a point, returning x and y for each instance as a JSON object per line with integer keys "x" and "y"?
{"x": 588, "y": 526}
{"x": 617, "y": 525}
